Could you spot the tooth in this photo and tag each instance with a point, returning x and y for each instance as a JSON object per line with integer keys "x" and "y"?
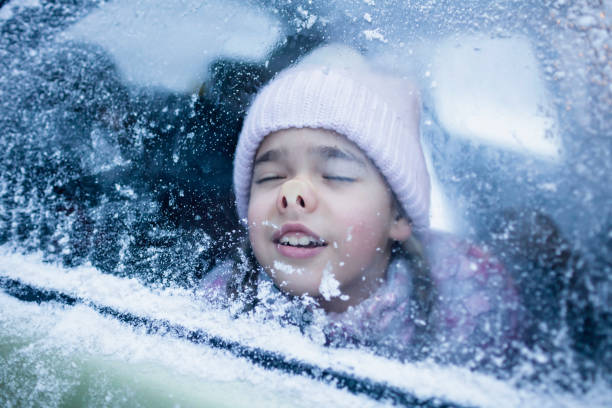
{"x": 284, "y": 240}
{"x": 304, "y": 240}
{"x": 293, "y": 241}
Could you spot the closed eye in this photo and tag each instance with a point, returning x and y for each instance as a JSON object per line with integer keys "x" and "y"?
{"x": 268, "y": 178}
{"x": 339, "y": 178}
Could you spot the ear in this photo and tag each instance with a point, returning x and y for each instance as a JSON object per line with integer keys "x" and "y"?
{"x": 401, "y": 229}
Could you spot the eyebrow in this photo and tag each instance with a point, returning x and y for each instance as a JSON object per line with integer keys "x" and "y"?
{"x": 326, "y": 152}
{"x": 332, "y": 152}
{"x": 270, "y": 155}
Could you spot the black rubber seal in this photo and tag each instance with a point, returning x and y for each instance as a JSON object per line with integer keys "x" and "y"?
{"x": 270, "y": 360}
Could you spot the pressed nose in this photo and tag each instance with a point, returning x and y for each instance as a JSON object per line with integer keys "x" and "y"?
{"x": 296, "y": 194}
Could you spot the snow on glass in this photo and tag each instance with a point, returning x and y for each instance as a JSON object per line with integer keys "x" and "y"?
{"x": 119, "y": 122}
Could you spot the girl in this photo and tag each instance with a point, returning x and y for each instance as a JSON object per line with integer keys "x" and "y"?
{"x": 331, "y": 181}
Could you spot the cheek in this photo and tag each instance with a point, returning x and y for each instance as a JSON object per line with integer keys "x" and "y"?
{"x": 363, "y": 236}
{"x": 362, "y": 241}
{"x": 365, "y": 226}
{"x": 256, "y": 209}
{"x": 255, "y": 238}
{"x": 257, "y": 226}
{"x": 260, "y": 210}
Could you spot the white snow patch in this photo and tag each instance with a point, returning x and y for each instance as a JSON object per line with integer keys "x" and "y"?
{"x": 311, "y": 20}
{"x": 7, "y": 11}
{"x": 61, "y": 337}
{"x": 374, "y": 34}
{"x": 171, "y": 43}
{"x": 442, "y": 216}
{"x": 329, "y": 286}
{"x": 492, "y": 90}
{"x": 286, "y": 268}
{"x": 308, "y": 18}
{"x": 125, "y": 191}
{"x": 349, "y": 234}
{"x": 267, "y": 223}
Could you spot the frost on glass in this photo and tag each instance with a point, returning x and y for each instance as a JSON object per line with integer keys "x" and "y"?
{"x": 118, "y": 122}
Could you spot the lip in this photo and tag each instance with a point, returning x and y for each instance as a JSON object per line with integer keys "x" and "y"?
{"x": 293, "y": 227}
{"x": 296, "y": 252}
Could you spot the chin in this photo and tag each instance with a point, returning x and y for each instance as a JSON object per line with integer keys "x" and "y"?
{"x": 297, "y": 288}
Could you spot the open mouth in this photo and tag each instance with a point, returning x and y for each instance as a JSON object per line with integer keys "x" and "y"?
{"x": 295, "y": 240}
{"x": 301, "y": 241}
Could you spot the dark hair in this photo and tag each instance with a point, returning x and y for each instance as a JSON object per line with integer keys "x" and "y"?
{"x": 242, "y": 286}
{"x": 234, "y": 246}
{"x": 424, "y": 293}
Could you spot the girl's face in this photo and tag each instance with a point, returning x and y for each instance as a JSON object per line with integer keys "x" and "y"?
{"x": 321, "y": 217}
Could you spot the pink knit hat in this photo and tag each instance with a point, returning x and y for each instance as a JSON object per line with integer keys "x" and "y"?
{"x": 377, "y": 112}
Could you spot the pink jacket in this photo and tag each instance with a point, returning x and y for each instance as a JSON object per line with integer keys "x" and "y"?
{"x": 475, "y": 318}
